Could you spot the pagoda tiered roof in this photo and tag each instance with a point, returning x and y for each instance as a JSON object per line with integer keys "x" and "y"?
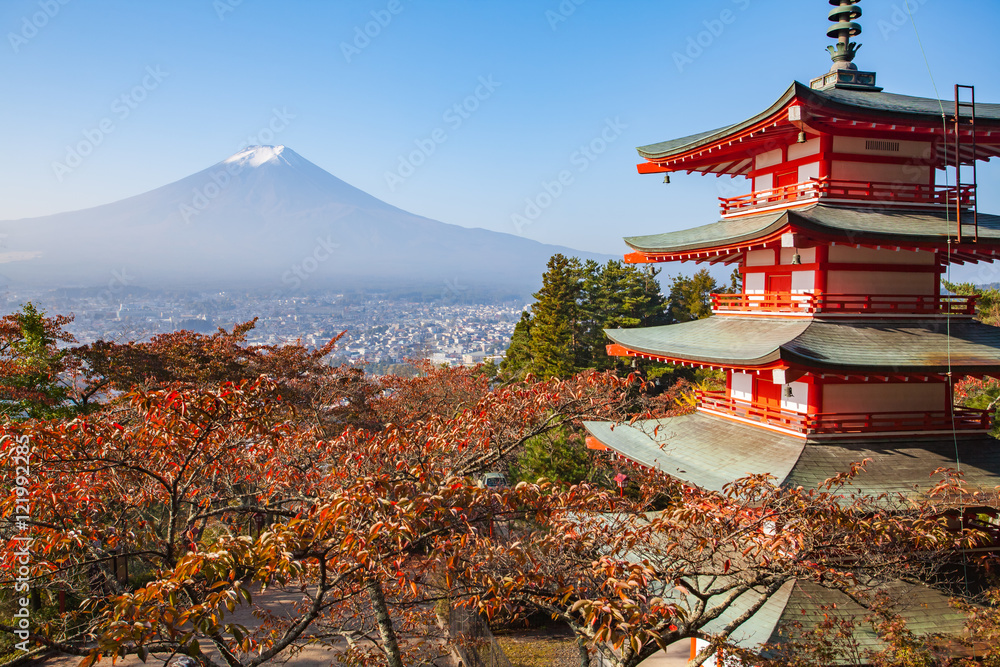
{"x": 710, "y": 452}
{"x": 872, "y": 346}
{"x": 912, "y": 230}
{"x": 806, "y": 604}
{"x": 840, "y": 347}
{"x": 729, "y": 150}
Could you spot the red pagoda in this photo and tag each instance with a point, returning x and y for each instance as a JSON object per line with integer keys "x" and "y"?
{"x": 841, "y": 346}
{"x": 841, "y": 343}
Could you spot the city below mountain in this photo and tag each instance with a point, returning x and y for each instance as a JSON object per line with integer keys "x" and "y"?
{"x": 265, "y": 219}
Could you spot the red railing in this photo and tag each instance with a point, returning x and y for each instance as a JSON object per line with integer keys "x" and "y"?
{"x": 853, "y": 191}
{"x": 785, "y": 195}
{"x": 874, "y": 304}
{"x": 719, "y": 401}
{"x": 963, "y": 419}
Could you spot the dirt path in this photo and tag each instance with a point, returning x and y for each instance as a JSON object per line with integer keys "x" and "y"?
{"x": 538, "y": 648}
{"x": 280, "y": 602}
{"x": 556, "y": 647}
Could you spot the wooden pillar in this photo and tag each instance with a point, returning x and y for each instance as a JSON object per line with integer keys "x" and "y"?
{"x": 815, "y": 399}
{"x": 825, "y": 151}
{"x": 937, "y": 276}
{"x": 820, "y": 280}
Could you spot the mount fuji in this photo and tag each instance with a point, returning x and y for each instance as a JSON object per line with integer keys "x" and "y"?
{"x": 265, "y": 218}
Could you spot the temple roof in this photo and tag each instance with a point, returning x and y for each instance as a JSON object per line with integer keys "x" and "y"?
{"x": 710, "y": 452}
{"x": 926, "y": 611}
{"x": 854, "y": 225}
{"x": 742, "y": 341}
{"x": 871, "y": 345}
{"x": 848, "y": 104}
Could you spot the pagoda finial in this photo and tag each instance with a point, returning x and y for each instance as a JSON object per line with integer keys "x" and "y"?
{"x": 843, "y": 15}
{"x": 844, "y": 74}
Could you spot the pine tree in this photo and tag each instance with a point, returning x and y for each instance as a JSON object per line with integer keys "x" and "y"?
{"x": 564, "y": 333}
{"x": 590, "y": 353}
{"x": 31, "y": 365}
{"x": 555, "y": 320}
{"x": 518, "y": 358}
{"x": 558, "y": 455}
{"x": 988, "y": 303}
{"x": 619, "y": 296}
{"x": 691, "y": 298}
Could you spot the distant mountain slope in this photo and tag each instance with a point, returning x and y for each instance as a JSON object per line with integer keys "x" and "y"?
{"x": 266, "y": 218}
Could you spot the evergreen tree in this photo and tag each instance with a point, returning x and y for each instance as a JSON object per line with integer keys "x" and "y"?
{"x": 564, "y": 333}
{"x": 32, "y": 366}
{"x": 691, "y": 297}
{"x": 555, "y": 320}
{"x": 592, "y": 294}
{"x": 735, "y": 283}
{"x": 619, "y": 296}
{"x": 518, "y": 358}
{"x": 559, "y": 455}
{"x": 988, "y": 303}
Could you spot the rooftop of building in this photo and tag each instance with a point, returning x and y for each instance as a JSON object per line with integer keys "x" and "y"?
{"x": 872, "y": 346}
{"x": 710, "y": 452}
{"x": 849, "y": 225}
{"x": 804, "y": 605}
{"x": 877, "y": 106}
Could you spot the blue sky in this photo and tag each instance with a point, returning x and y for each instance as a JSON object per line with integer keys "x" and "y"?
{"x": 165, "y": 88}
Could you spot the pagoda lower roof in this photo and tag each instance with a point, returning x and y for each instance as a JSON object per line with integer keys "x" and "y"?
{"x": 927, "y": 611}
{"x": 710, "y": 452}
{"x": 851, "y": 226}
{"x": 896, "y": 111}
{"x": 872, "y": 346}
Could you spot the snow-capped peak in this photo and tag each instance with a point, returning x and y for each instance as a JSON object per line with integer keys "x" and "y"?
{"x": 255, "y": 156}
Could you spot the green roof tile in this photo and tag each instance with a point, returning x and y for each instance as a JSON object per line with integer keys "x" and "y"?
{"x": 888, "y": 346}
{"x": 899, "y": 108}
{"x": 703, "y": 451}
{"x": 855, "y": 225}
{"x": 710, "y": 452}
{"x": 925, "y": 610}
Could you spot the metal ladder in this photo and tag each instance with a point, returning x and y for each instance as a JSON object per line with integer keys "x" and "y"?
{"x": 970, "y": 122}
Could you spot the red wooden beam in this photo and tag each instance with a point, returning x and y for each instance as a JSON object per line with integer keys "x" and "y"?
{"x": 594, "y": 443}
{"x": 616, "y": 350}
{"x": 652, "y": 168}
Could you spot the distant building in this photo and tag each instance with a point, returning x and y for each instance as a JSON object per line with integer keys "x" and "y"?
{"x": 473, "y": 358}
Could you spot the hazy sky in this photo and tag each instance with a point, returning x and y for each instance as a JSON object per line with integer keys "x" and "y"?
{"x": 456, "y": 110}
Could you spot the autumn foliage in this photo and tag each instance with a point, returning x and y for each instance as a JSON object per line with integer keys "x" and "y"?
{"x": 225, "y": 476}
{"x": 358, "y": 494}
